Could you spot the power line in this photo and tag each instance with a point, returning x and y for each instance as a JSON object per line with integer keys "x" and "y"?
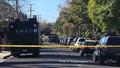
{"x": 47, "y": 3}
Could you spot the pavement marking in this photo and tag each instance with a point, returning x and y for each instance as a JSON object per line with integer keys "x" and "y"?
{"x": 4, "y": 54}
{"x": 3, "y": 60}
{"x": 76, "y": 61}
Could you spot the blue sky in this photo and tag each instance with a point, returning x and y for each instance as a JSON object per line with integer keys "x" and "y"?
{"x": 47, "y": 9}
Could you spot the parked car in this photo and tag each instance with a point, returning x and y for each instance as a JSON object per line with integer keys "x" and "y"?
{"x": 78, "y": 43}
{"x": 103, "y": 52}
{"x": 74, "y": 40}
{"x": 63, "y": 41}
{"x": 88, "y": 50}
{"x": 68, "y": 40}
{"x": 60, "y": 40}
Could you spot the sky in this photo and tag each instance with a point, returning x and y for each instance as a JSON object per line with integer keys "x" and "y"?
{"x": 46, "y": 9}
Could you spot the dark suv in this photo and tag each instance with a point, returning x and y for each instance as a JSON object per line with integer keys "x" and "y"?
{"x": 53, "y": 38}
{"x": 107, "y": 49}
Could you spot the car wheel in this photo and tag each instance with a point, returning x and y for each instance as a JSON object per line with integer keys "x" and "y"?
{"x": 95, "y": 58}
{"x": 73, "y": 50}
{"x": 77, "y": 50}
{"x": 118, "y": 62}
{"x": 81, "y": 53}
{"x": 101, "y": 60}
{"x": 36, "y": 52}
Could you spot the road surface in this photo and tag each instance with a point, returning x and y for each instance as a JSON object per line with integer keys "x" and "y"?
{"x": 54, "y": 58}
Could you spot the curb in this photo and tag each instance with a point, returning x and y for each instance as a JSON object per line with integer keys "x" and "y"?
{"x": 5, "y": 54}
{"x": 5, "y": 57}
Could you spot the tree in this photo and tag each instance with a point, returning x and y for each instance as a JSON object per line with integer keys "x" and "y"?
{"x": 46, "y": 28}
{"x": 7, "y": 12}
{"x": 105, "y": 14}
{"x": 77, "y": 14}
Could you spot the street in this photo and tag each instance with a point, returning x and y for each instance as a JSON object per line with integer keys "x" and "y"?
{"x": 60, "y": 33}
{"x": 54, "y": 58}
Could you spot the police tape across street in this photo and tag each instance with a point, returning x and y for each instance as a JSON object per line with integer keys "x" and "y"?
{"x": 59, "y": 46}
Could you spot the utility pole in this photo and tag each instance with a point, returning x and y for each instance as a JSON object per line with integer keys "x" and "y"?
{"x": 17, "y": 7}
{"x": 31, "y": 10}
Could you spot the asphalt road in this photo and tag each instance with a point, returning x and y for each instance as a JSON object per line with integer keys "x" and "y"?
{"x": 54, "y": 58}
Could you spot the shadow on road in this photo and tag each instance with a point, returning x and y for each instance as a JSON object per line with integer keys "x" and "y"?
{"x": 49, "y": 63}
{"x": 53, "y": 59}
{"x": 64, "y": 63}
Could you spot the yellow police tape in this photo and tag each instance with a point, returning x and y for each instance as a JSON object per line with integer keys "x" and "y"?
{"x": 60, "y": 46}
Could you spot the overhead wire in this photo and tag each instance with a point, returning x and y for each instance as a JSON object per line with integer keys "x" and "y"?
{"x": 43, "y": 2}
{"x": 47, "y": 3}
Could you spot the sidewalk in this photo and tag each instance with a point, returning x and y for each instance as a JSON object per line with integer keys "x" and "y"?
{"x": 4, "y": 54}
